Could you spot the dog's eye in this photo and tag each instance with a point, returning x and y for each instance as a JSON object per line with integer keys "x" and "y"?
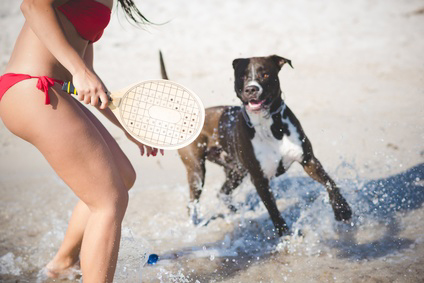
{"x": 265, "y": 75}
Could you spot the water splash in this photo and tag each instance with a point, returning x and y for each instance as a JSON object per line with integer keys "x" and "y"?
{"x": 372, "y": 233}
{"x": 10, "y": 264}
{"x": 133, "y": 255}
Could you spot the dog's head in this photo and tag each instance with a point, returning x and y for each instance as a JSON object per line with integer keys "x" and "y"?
{"x": 256, "y": 80}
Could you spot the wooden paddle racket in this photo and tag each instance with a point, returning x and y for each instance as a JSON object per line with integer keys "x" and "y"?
{"x": 157, "y": 113}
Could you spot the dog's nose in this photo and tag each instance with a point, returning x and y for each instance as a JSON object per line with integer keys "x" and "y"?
{"x": 252, "y": 89}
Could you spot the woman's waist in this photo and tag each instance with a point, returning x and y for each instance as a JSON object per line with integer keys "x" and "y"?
{"x": 34, "y": 72}
{"x": 30, "y": 56}
{"x": 35, "y": 67}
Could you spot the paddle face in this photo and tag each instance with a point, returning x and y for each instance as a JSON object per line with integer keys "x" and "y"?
{"x": 161, "y": 114}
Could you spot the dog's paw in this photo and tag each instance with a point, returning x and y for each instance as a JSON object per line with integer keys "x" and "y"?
{"x": 342, "y": 210}
{"x": 232, "y": 208}
{"x": 289, "y": 242}
{"x": 282, "y": 229}
{"x": 193, "y": 211}
{"x": 195, "y": 220}
{"x": 228, "y": 201}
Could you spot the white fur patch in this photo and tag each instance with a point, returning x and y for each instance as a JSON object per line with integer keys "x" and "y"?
{"x": 268, "y": 150}
{"x": 253, "y": 82}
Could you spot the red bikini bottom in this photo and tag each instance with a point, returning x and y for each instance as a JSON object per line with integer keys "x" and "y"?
{"x": 44, "y": 83}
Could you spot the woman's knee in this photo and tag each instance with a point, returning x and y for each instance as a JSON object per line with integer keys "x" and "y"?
{"x": 113, "y": 207}
{"x": 126, "y": 172}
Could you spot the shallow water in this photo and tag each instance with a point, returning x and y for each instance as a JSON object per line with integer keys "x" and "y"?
{"x": 384, "y": 240}
{"x": 357, "y": 89}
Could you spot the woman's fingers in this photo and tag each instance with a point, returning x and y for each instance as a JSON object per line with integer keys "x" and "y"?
{"x": 154, "y": 151}
{"x": 90, "y": 89}
{"x": 98, "y": 99}
{"x": 144, "y": 148}
{"x": 94, "y": 100}
{"x": 149, "y": 150}
{"x": 80, "y": 96}
{"x": 104, "y": 99}
{"x": 87, "y": 99}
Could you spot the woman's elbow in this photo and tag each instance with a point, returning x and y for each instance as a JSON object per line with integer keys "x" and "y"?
{"x": 27, "y": 6}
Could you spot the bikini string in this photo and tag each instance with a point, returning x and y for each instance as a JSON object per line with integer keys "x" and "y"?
{"x": 44, "y": 83}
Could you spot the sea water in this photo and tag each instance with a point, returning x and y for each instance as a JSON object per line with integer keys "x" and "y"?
{"x": 385, "y": 229}
{"x": 245, "y": 239}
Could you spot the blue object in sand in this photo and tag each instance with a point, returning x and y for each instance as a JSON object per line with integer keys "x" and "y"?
{"x": 153, "y": 258}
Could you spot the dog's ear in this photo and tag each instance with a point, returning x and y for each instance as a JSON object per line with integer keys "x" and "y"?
{"x": 237, "y": 62}
{"x": 280, "y": 61}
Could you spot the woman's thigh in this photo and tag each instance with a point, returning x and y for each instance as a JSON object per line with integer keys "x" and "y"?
{"x": 125, "y": 167}
{"x": 68, "y": 139}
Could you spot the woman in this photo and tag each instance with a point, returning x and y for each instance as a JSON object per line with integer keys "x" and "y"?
{"x": 56, "y": 45}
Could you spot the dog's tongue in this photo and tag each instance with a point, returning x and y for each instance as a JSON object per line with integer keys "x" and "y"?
{"x": 255, "y": 105}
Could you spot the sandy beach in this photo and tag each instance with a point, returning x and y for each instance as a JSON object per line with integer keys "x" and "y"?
{"x": 357, "y": 87}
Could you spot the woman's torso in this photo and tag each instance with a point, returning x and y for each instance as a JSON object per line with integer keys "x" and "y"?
{"x": 30, "y": 56}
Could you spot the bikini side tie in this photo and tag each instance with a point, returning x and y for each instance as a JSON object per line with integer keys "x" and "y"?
{"x": 44, "y": 83}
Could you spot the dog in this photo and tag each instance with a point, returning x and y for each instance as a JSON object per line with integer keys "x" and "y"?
{"x": 260, "y": 138}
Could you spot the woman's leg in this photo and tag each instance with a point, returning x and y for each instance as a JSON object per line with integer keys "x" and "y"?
{"x": 81, "y": 157}
{"x": 69, "y": 250}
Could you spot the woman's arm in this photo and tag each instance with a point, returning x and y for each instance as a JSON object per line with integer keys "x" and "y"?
{"x": 41, "y": 17}
{"x": 89, "y": 59}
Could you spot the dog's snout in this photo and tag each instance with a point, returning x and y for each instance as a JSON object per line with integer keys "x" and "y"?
{"x": 250, "y": 90}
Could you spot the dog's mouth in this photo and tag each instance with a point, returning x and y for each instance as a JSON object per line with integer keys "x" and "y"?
{"x": 255, "y": 105}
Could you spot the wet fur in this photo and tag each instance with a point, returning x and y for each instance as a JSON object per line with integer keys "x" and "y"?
{"x": 262, "y": 144}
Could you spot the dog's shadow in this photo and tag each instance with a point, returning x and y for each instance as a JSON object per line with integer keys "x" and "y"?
{"x": 383, "y": 201}
{"x": 374, "y": 203}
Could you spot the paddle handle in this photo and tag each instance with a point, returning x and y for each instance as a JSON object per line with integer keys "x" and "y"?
{"x": 69, "y": 88}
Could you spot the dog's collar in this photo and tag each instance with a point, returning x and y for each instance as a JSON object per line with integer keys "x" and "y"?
{"x": 247, "y": 119}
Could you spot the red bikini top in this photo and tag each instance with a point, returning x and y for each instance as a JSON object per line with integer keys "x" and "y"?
{"x": 89, "y": 17}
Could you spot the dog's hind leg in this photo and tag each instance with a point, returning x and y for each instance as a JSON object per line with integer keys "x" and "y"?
{"x": 196, "y": 181}
{"x": 194, "y": 161}
{"x": 341, "y": 208}
{"x": 233, "y": 180}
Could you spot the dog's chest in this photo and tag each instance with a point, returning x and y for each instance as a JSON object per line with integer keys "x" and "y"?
{"x": 269, "y": 151}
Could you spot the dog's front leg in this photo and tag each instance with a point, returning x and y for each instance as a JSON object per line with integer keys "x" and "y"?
{"x": 262, "y": 187}
{"x": 341, "y": 208}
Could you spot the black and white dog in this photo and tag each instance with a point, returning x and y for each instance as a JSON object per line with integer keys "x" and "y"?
{"x": 262, "y": 138}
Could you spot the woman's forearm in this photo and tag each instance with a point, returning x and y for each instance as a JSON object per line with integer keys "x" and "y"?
{"x": 89, "y": 61}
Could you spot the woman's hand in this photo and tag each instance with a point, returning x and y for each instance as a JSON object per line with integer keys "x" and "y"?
{"x": 144, "y": 148}
{"x": 90, "y": 89}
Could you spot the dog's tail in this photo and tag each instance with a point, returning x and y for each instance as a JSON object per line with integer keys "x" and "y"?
{"x": 162, "y": 67}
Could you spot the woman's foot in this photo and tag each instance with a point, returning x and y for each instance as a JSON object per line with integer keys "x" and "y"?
{"x": 63, "y": 270}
